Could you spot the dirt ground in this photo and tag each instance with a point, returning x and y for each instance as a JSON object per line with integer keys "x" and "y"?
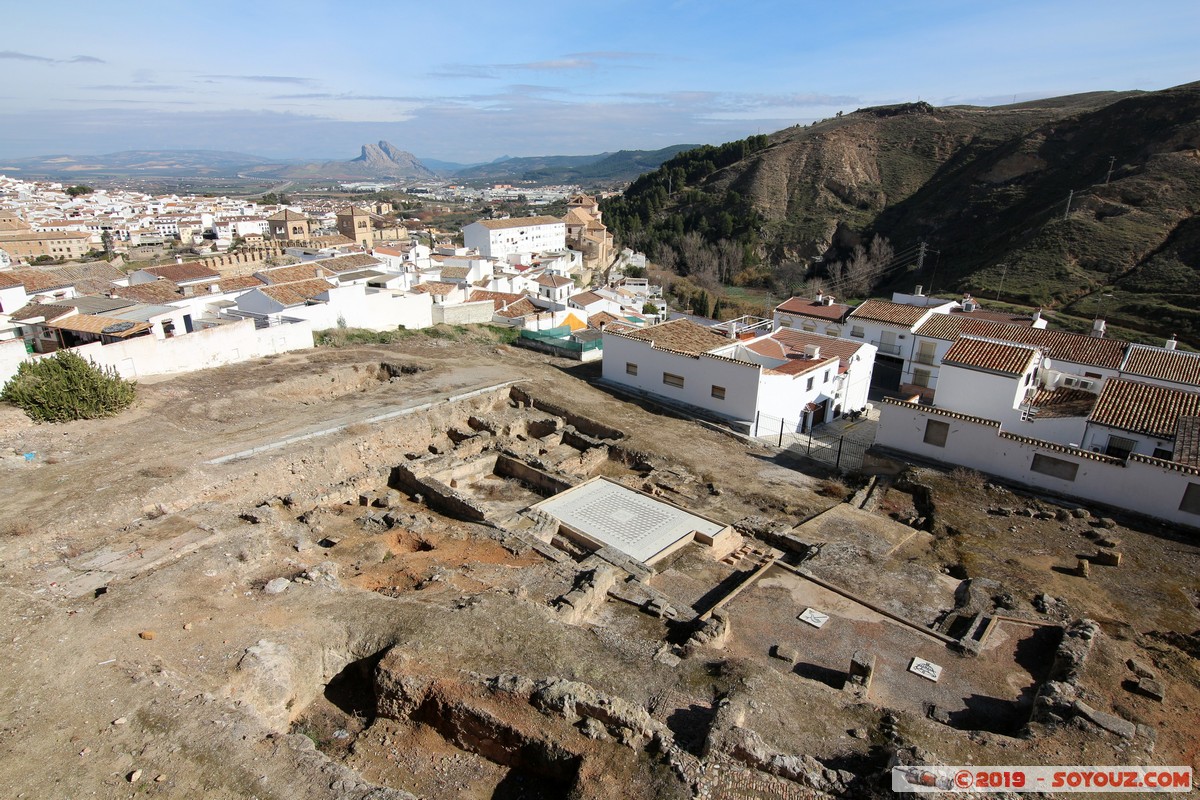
{"x": 145, "y": 656}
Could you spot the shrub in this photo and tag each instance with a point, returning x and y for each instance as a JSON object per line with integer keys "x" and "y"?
{"x": 67, "y": 387}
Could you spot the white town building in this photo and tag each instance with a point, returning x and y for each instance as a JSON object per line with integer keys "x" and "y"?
{"x": 500, "y": 238}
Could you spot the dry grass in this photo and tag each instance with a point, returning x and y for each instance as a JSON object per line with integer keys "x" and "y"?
{"x": 833, "y": 488}
{"x": 967, "y": 478}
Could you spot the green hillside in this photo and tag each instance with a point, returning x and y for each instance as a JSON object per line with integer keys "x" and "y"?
{"x": 985, "y": 188}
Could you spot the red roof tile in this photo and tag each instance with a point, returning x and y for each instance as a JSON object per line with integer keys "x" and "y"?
{"x": 1144, "y": 408}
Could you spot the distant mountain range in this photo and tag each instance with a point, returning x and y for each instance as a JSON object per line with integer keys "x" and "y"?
{"x": 132, "y": 163}
{"x": 380, "y": 161}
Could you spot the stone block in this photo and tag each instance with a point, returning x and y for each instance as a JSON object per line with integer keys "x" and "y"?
{"x": 1107, "y": 558}
{"x": 1151, "y": 688}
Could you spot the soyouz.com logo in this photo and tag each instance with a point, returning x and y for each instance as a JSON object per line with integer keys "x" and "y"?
{"x": 925, "y": 779}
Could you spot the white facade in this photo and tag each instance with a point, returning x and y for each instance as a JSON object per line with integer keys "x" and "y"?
{"x": 500, "y": 238}
{"x": 1161, "y": 489}
{"x": 739, "y": 383}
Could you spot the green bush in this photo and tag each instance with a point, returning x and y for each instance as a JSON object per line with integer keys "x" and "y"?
{"x": 67, "y": 387}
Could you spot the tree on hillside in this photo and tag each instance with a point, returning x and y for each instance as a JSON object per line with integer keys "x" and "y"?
{"x": 66, "y": 387}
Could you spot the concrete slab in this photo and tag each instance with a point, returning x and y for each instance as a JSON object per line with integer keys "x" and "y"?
{"x": 637, "y": 524}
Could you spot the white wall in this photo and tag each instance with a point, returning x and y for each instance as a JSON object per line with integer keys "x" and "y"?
{"x": 1145, "y": 486}
{"x": 213, "y": 347}
{"x": 12, "y": 353}
{"x": 982, "y": 394}
{"x": 528, "y": 239}
{"x": 700, "y": 374}
{"x": 359, "y": 307}
{"x": 479, "y": 312}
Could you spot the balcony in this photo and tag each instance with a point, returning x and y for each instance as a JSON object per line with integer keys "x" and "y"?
{"x": 924, "y": 358}
{"x": 888, "y": 348}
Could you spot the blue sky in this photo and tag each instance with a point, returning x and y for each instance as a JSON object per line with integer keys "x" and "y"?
{"x": 470, "y": 81}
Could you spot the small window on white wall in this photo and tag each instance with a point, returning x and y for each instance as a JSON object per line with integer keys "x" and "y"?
{"x": 718, "y": 392}
{"x": 936, "y": 432}
{"x": 673, "y": 380}
{"x": 630, "y": 368}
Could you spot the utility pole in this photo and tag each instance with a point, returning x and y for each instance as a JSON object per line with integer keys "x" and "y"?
{"x": 1003, "y": 272}
{"x": 921, "y": 257}
{"x": 1070, "y": 196}
{"x": 1111, "y": 161}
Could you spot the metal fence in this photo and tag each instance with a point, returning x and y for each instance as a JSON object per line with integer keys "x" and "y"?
{"x": 829, "y": 446}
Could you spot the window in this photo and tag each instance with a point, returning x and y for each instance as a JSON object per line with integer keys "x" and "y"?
{"x": 630, "y": 368}
{"x": 921, "y": 377}
{"x": 936, "y": 432}
{"x": 810, "y": 385}
{"x": 673, "y": 380}
{"x": 1054, "y": 467}
{"x": 785, "y": 322}
{"x": 1191, "y": 499}
{"x": 1119, "y": 446}
{"x": 718, "y": 392}
{"x": 925, "y": 353}
{"x": 827, "y": 372}
{"x": 833, "y": 330}
{"x": 857, "y": 332}
{"x": 810, "y": 327}
{"x": 1164, "y": 453}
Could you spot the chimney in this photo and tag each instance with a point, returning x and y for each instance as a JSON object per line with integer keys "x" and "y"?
{"x": 918, "y": 290}
{"x": 178, "y": 259}
{"x": 812, "y": 351}
{"x": 820, "y": 298}
{"x": 1098, "y": 329}
{"x": 1170, "y": 343}
{"x": 828, "y": 300}
{"x": 1037, "y": 315}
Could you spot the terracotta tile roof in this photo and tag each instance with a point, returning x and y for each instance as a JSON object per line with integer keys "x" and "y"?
{"x": 554, "y": 281}
{"x": 287, "y": 215}
{"x": 296, "y": 293}
{"x": 893, "y": 313}
{"x": 996, "y": 316}
{"x": 292, "y": 273}
{"x": 1143, "y": 408}
{"x": 455, "y": 273}
{"x": 501, "y": 299}
{"x": 34, "y": 280}
{"x": 185, "y": 272}
{"x": 1168, "y": 365}
{"x": 1187, "y": 441}
{"x": 1062, "y": 402}
{"x": 92, "y": 278}
{"x": 1073, "y": 347}
{"x": 348, "y": 263}
{"x": 601, "y": 319}
{"x": 46, "y": 311}
{"x": 586, "y": 298}
{"x": 786, "y": 343}
{"x": 237, "y": 282}
{"x": 159, "y": 291}
{"x": 803, "y": 307}
{"x": 680, "y": 336}
{"x": 991, "y": 356}
{"x": 521, "y": 308}
{"x": 94, "y": 323}
{"x": 518, "y": 222}
{"x": 435, "y": 288}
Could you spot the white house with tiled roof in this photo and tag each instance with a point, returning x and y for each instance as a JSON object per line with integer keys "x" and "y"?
{"x": 1134, "y": 417}
{"x": 500, "y": 238}
{"x": 801, "y": 379}
{"x": 889, "y": 327}
{"x": 822, "y": 314}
